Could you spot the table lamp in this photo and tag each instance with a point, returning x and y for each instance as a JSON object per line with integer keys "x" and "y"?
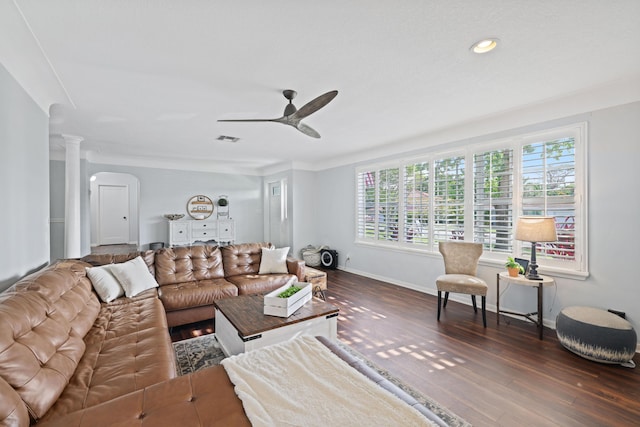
{"x": 535, "y": 229}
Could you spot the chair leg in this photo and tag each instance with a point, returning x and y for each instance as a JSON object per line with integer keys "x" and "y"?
{"x": 446, "y": 298}
{"x": 439, "y": 301}
{"x": 484, "y": 311}
{"x": 473, "y": 300}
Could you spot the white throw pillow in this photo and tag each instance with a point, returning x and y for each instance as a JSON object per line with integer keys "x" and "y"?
{"x": 134, "y": 276}
{"x": 105, "y": 284}
{"x": 274, "y": 261}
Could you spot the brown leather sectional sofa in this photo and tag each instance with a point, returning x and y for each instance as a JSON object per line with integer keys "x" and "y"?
{"x": 62, "y": 350}
{"x": 191, "y": 278}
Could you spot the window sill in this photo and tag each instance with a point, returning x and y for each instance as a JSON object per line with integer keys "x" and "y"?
{"x": 484, "y": 261}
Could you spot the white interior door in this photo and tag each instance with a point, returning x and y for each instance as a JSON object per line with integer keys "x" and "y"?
{"x": 113, "y": 214}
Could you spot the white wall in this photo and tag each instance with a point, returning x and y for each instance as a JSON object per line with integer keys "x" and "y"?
{"x": 614, "y": 234}
{"x": 24, "y": 182}
{"x": 164, "y": 191}
{"x": 304, "y": 211}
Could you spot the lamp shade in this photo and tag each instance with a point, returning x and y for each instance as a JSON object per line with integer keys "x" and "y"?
{"x": 536, "y": 229}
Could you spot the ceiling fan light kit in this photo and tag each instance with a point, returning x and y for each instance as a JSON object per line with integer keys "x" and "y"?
{"x": 292, "y": 116}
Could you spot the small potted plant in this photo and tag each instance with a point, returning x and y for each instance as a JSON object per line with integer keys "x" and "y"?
{"x": 513, "y": 267}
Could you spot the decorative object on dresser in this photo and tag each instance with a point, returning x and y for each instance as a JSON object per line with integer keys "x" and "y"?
{"x": 187, "y": 232}
{"x": 174, "y": 217}
{"x": 223, "y": 207}
{"x": 535, "y": 229}
{"x": 200, "y": 207}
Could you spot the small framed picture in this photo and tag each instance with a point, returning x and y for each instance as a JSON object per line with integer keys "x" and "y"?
{"x": 524, "y": 263}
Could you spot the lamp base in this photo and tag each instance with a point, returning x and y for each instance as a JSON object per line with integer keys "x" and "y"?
{"x": 531, "y": 277}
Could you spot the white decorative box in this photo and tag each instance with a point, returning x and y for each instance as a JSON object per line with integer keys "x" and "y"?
{"x": 285, "y": 307}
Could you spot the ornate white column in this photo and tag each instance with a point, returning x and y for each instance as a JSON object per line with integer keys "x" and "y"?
{"x": 72, "y": 245}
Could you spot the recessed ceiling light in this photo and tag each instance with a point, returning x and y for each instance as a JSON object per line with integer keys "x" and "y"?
{"x": 484, "y": 45}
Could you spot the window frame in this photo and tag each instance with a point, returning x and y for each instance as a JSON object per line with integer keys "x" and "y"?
{"x": 578, "y": 131}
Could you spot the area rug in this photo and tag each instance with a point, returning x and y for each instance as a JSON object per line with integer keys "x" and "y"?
{"x": 197, "y": 353}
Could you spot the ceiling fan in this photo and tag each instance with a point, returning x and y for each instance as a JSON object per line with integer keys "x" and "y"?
{"x": 292, "y": 116}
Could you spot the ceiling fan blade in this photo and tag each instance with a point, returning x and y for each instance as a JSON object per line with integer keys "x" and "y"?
{"x": 315, "y": 105}
{"x": 247, "y": 120}
{"x": 307, "y": 130}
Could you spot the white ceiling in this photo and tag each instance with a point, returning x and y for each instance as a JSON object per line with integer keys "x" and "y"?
{"x": 147, "y": 80}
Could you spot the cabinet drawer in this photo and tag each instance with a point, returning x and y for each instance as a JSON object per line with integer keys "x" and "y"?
{"x": 204, "y": 225}
{"x": 204, "y": 234}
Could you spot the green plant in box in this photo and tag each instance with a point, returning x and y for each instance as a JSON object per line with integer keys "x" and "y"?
{"x": 290, "y": 291}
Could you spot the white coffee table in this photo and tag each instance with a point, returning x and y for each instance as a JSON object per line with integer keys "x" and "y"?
{"x": 242, "y": 326}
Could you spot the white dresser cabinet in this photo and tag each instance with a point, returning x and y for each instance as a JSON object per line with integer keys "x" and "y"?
{"x": 187, "y": 232}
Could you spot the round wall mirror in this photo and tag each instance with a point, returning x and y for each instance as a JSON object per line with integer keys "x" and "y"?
{"x": 200, "y": 207}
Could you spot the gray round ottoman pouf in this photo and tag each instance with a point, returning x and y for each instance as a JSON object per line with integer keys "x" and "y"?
{"x": 597, "y": 335}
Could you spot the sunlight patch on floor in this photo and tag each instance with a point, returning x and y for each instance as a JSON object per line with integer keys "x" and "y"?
{"x": 427, "y": 353}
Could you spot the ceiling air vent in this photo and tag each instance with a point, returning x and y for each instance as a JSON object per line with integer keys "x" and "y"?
{"x": 227, "y": 138}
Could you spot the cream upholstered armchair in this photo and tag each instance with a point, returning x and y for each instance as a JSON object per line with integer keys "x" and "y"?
{"x": 460, "y": 266}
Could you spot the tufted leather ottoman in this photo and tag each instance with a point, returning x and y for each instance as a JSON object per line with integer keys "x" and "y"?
{"x": 597, "y": 335}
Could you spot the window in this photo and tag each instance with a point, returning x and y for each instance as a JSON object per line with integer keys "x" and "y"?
{"x": 477, "y": 194}
{"x": 548, "y": 188}
{"x": 448, "y": 199}
{"x": 416, "y": 203}
{"x": 493, "y": 200}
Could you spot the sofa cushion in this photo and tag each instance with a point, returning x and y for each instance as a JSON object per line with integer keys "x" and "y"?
{"x": 134, "y": 276}
{"x": 273, "y": 260}
{"x": 13, "y": 412}
{"x": 188, "y": 264}
{"x": 43, "y": 318}
{"x": 195, "y": 294}
{"x": 127, "y": 349}
{"x": 257, "y": 284}
{"x": 243, "y": 258}
{"x": 105, "y": 283}
{"x": 204, "y": 398}
{"x": 103, "y": 259}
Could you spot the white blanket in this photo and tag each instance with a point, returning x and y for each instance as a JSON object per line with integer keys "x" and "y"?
{"x": 302, "y": 383}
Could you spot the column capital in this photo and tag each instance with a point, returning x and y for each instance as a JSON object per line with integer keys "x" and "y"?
{"x": 72, "y": 139}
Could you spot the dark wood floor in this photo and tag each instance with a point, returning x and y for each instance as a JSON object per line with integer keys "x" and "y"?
{"x": 499, "y": 376}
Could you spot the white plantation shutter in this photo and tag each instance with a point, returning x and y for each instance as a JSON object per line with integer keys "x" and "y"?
{"x": 493, "y": 200}
{"x": 416, "y": 203}
{"x": 448, "y": 203}
{"x": 366, "y": 204}
{"x": 388, "y": 204}
{"x": 548, "y": 188}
